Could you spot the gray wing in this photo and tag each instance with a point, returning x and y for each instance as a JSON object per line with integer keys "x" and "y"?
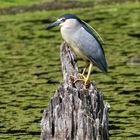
{"x": 91, "y": 47}
{"x": 92, "y": 31}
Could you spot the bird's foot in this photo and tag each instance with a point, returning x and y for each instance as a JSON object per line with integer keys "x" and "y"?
{"x": 74, "y": 79}
{"x": 81, "y": 77}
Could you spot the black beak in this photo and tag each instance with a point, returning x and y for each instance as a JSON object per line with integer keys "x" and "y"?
{"x": 54, "y": 24}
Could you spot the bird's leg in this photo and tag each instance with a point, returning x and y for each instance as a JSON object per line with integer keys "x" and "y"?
{"x": 84, "y": 70}
{"x": 82, "y": 75}
{"x": 87, "y": 78}
{"x": 83, "y": 78}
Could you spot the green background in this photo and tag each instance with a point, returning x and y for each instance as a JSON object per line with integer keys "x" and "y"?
{"x": 30, "y": 69}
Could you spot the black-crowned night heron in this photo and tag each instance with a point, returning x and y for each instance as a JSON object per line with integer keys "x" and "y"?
{"x": 83, "y": 40}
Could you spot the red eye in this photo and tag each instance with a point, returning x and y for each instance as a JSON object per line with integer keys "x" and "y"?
{"x": 63, "y": 20}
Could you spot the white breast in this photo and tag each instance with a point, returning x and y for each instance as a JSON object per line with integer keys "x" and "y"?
{"x": 69, "y": 32}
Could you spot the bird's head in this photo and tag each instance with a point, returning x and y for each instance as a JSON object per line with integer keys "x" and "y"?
{"x": 66, "y": 20}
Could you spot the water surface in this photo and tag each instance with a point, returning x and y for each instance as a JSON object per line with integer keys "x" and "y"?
{"x": 30, "y": 69}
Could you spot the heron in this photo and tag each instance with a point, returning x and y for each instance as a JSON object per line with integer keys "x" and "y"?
{"x": 84, "y": 41}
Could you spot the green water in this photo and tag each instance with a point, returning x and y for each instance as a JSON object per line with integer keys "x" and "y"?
{"x": 30, "y": 69}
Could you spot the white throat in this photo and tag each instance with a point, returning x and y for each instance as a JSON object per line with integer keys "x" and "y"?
{"x": 69, "y": 28}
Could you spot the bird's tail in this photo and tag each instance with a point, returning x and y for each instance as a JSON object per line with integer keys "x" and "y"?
{"x": 102, "y": 65}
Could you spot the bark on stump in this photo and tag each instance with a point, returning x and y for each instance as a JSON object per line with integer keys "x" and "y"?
{"x": 74, "y": 113}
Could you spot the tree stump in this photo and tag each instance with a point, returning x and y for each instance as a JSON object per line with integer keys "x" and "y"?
{"x": 74, "y": 113}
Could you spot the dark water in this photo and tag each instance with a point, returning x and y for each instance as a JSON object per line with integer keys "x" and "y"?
{"x": 30, "y": 69}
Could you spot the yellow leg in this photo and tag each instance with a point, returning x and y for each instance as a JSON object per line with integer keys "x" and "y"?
{"x": 83, "y": 78}
{"x": 89, "y": 71}
{"x": 84, "y": 70}
{"x": 82, "y": 75}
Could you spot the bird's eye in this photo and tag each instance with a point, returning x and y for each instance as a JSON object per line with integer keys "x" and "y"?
{"x": 63, "y": 20}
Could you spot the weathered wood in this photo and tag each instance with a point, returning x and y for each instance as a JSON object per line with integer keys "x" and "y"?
{"x": 74, "y": 113}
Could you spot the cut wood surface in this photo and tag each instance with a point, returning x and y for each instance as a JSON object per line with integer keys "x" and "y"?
{"x": 74, "y": 113}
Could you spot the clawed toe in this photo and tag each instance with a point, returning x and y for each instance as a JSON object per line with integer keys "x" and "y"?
{"x": 81, "y": 77}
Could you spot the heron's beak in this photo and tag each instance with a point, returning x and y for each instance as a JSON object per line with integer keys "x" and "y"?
{"x": 54, "y": 24}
